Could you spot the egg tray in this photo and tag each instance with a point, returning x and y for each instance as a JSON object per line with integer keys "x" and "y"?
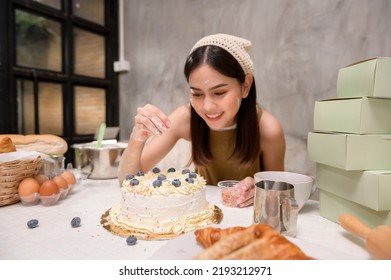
{"x": 45, "y": 200}
{"x": 12, "y": 173}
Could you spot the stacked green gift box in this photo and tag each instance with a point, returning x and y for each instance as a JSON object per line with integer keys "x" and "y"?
{"x": 351, "y": 144}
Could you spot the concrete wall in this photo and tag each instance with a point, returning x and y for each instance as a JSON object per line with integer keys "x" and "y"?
{"x": 298, "y": 48}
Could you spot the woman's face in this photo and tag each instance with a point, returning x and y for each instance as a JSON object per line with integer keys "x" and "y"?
{"x": 216, "y": 98}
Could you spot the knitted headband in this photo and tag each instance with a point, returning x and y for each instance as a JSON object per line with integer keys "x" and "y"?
{"x": 236, "y": 46}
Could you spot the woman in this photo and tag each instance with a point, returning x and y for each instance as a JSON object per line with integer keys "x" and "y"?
{"x": 231, "y": 136}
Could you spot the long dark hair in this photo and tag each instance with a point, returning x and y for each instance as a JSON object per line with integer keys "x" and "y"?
{"x": 247, "y": 136}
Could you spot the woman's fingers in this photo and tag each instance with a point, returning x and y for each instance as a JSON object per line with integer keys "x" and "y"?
{"x": 160, "y": 119}
{"x": 159, "y": 124}
{"x": 247, "y": 185}
{"x": 152, "y": 120}
{"x": 248, "y": 198}
{"x": 145, "y": 123}
{"x": 246, "y": 203}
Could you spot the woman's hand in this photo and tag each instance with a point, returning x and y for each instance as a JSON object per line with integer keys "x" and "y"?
{"x": 149, "y": 121}
{"x": 247, "y": 184}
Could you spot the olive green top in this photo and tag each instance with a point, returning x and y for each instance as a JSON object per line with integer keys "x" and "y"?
{"x": 222, "y": 167}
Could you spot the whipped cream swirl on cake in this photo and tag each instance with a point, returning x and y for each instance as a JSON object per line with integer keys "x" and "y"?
{"x": 165, "y": 202}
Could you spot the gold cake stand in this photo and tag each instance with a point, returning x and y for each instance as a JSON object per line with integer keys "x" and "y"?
{"x": 106, "y": 222}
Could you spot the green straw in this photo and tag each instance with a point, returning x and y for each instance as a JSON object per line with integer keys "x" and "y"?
{"x": 101, "y": 134}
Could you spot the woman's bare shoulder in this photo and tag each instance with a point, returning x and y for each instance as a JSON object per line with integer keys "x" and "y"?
{"x": 269, "y": 126}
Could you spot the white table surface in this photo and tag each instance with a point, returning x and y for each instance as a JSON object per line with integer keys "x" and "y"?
{"x": 55, "y": 239}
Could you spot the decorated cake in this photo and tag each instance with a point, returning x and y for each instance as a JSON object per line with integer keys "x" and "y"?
{"x": 161, "y": 204}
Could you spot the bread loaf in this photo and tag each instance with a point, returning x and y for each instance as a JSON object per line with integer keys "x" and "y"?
{"x": 6, "y": 145}
{"x": 44, "y": 143}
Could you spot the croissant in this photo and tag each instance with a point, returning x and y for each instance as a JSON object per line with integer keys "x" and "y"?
{"x": 258, "y": 241}
{"x": 6, "y": 145}
{"x": 273, "y": 247}
{"x": 230, "y": 243}
{"x": 206, "y": 237}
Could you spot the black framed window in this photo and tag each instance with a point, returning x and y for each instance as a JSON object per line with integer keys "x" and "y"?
{"x": 56, "y": 67}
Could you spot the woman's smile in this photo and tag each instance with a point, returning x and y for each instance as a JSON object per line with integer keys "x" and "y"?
{"x": 214, "y": 117}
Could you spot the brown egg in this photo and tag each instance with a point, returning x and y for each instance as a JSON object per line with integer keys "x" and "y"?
{"x": 28, "y": 186}
{"x": 48, "y": 188}
{"x": 69, "y": 177}
{"x": 60, "y": 181}
{"x": 41, "y": 178}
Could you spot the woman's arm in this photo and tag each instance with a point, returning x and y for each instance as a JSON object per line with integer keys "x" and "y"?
{"x": 141, "y": 154}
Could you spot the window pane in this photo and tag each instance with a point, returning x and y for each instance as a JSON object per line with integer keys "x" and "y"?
{"x": 52, "y": 3}
{"x": 90, "y": 109}
{"x": 50, "y": 109}
{"x": 38, "y": 41}
{"x": 49, "y": 106}
{"x": 89, "y": 54}
{"x": 92, "y": 10}
{"x": 25, "y": 100}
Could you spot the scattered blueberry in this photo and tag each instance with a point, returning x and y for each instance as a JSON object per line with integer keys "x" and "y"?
{"x": 157, "y": 183}
{"x": 129, "y": 177}
{"x": 156, "y": 170}
{"x": 140, "y": 173}
{"x": 171, "y": 169}
{"x": 192, "y": 175}
{"x": 176, "y": 183}
{"x": 134, "y": 182}
{"x": 32, "y": 223}
{"x": 76, "y": 221}
{"x": 185, "y": 171}
{"x": 131, "y": 240}
{"x": 189, "y": 180}
{"x": 161, "y": 177}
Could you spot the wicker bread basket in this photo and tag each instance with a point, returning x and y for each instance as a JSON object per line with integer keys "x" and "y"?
{"x": 12, "y": 173}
